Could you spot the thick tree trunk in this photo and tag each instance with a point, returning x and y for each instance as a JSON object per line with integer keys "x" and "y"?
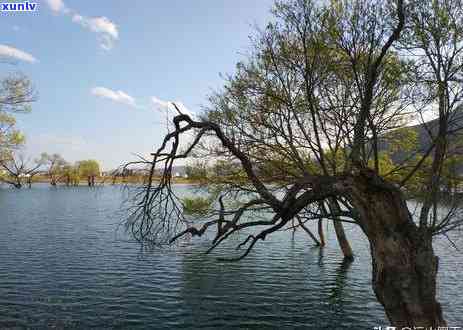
{"x": 404, "y": 264}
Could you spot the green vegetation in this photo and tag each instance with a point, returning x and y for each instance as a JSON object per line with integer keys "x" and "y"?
{"x": 16, "y": 95}
{"x": 196, "y": 205}
{"x": 70, "y": 175}
{"x": 55, "y": 164}
{"x": 89, "y": 169}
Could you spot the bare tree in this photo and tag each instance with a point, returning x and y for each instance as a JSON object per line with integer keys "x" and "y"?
{"x": 321, "y": 88}
{"x": 18, "y": 171}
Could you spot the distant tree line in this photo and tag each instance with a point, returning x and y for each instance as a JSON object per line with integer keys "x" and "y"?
{"x": 60, "y": 171}
{"x": 17, "y": 171}
{"x": 16, "y": 96}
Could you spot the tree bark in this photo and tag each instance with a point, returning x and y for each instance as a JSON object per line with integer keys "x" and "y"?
{"x": 403, "y": 260}
{"x": 52, "y": 179}
{"x": 339, "y": 230}
{"x": 433, "y": 187}
{"x": 342, "y": 240}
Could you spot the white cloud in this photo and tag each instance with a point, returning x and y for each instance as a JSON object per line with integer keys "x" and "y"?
{"x": 56, "y": 6}
{"x": 106, "y": 29}
{"x": 167, "y": 105}
{"x": 11, "y": 52}
{"x": 116, "y": 96}
{"x": 103, "y": 26}
{"x": 160, "y": 104}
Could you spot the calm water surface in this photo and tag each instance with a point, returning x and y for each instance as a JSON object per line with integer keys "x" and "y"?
{"x": 63, "y": 264}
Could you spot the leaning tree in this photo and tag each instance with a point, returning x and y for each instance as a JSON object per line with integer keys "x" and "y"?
{"x": 303, "y": 124}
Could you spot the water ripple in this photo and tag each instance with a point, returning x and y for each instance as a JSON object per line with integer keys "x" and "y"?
{"x": 62, "y": 265}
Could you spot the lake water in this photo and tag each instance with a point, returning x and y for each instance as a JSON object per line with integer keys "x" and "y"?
{"x": 63, "y": 264}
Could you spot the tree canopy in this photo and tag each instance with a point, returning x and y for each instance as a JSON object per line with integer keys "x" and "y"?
{"x": 88, "y": 167}
{"x": 16, "y": 96}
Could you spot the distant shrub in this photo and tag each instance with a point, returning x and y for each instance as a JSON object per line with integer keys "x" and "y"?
{"x": 196, "y": 205}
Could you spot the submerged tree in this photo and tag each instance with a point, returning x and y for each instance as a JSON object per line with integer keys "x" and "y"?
{"x": 55, "y": 166}
{"x": 70, "y": 175}
{"x": 16, "y": 96}
{"x": 89, "y": 169}
{"x": 321, "y": 89}
{"x": 18, "y": 170}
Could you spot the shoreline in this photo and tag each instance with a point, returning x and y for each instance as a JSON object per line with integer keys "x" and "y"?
{"x": 111, "y": 181}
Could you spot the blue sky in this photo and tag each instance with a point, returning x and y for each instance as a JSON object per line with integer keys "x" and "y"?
{"x": 104, "y": 69}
